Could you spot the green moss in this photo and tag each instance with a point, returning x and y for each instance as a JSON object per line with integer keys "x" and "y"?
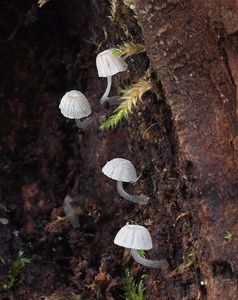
{"x": 130, "y": 98}
{"x": 15, "y": 266}
{"x": 128, "y": 49}
{"x": 228, "y": 236}
{"x": 113, "y": 10}
{"x": 133, "y": 290}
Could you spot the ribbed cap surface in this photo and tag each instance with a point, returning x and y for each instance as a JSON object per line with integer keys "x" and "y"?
{"x": 120, "y": 169}
{"x": 109, "y": 64}
{"x": 134, "y": 237}
{"x": 74, "y": 105}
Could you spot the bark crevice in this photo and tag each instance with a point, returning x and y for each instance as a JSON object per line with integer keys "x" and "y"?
{"x": 202, "y": 97}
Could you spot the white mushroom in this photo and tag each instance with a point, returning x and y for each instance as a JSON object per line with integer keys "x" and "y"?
{"x": 71, "y": 211}
{"x": 108, "y": 65}
{"x": 3, "y": 221}
{"x": 74, "y": 105}
{"x": 136, "y": 237}
{"x": 122, "y": 170}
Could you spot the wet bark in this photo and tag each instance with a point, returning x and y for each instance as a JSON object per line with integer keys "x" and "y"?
{"x": 192, "y": 46}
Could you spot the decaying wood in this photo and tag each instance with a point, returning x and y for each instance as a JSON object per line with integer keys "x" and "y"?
{"x": 193, "y": 48}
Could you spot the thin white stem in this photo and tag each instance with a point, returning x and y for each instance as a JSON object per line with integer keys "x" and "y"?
{"x": 74, "y": 220}
{"x": 142, "y": 199}
{"x": 163, "y": 264}
{"x": 71, "y": 211}
{"x": 105, "y": 95}
{"x": 83, "y": 123}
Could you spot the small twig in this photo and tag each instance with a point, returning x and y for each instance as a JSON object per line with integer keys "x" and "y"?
{"x": 149, "y": 129}
{"x": 180, "y": 216}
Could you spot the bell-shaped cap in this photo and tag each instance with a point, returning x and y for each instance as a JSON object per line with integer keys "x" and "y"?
{"x": 109, "y": 64}
{"x": 74, "y": 105}
{"x": 134, "y": 237}
{"x": 120, "y": 169}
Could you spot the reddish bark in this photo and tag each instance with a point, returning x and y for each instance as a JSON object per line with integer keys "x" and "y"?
{"x": 190, "y": 48}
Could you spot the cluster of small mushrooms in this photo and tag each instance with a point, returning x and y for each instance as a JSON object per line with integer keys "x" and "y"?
{"x": 75, "y": 105}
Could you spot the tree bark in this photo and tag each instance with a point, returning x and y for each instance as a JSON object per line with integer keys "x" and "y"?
{"x": 193, "y": 47}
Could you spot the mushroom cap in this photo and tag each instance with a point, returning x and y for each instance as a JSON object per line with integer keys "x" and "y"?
{"x": 120, "y": 169}
{"x": 109, "y": 64}
{"x": 4, "y": 221}
{"x": 74, "y": 105}
{"x": 134, "y": 237}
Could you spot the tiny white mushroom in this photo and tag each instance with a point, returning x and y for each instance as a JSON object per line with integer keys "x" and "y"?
{"x": 3, "y": 221}
{"x": 108, "y": 65}
{"x": 16, "y": 233}
{"x": 71, "y": 212}
{"x": 136, "y": 237}
{"x": 122, "y": 170}
{"x": 74, "y": 105}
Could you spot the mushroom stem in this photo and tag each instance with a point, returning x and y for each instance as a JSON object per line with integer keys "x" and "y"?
{"x": 111, "y": 100}
{"x": 74, "y": 220}
{"x": 105, "y": 95}
{"x": 83, "y": 123}
{"x": 163, "y": 264}
{"x": 142, "y": 199}
{"x": 71, "y": 211}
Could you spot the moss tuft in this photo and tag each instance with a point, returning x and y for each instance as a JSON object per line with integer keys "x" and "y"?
{"x": 130, "y": 98}
{"x": 128, "y": 49}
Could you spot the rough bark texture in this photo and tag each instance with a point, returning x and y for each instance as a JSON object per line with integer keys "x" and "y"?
{"x": 182, "y": 141}
{"x": 191, "y": 48}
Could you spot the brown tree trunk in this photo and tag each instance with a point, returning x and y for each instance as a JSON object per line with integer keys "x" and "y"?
{"x": 182, "y": 143}
{"x": 193, "y": 47}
